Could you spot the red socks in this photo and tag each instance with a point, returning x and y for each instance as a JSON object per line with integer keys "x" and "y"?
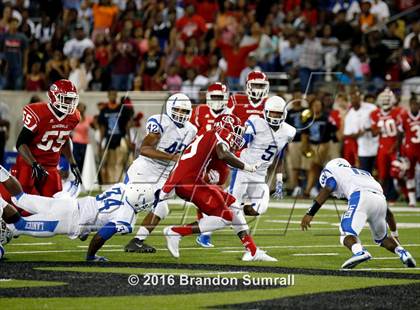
{"x": 249, "y": 244}
{"x": 183, "y": 230}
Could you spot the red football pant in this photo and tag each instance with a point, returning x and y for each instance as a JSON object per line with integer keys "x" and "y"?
{"x": 350, "y": 150}
{"x": 383, "y": 163}
{"x": 209, "y": 199}
{"x": 23, "y": 173}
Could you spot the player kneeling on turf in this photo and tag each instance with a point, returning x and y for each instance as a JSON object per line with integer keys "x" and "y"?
{"x": 109, "y": 213}
{"x": 366, "y": 202}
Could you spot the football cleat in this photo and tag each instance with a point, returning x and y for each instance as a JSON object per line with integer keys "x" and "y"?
{"x": 356, "y": 259}
{"x": 260, "y": 255}
{"x": 406, "y": 258}
{"x": 138, "y": 246}
{"x": 204, "y": 241}
{"x": 97, "y": 259}
{"x": 172, "y": 241}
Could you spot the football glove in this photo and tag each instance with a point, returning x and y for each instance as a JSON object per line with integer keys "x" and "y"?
{"x": 214, "y": 176}
{"x": 278, "y": 194}
{"x": 76, "y": 172}
{"x": 38, "y": 172}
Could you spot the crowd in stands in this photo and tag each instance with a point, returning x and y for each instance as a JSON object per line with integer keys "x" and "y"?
{"x": 184, "y": 45}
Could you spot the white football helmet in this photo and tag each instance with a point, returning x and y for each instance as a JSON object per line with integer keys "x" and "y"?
{"x": 386, "y": 99}
{"x": 257, "y": 86}
{"x": 275, "y": 104}
{"x": 178, "y": 108}
{"x": 139, "y": 196}
{"x": 217, "y": 96}
{"x": 338, "y": 162}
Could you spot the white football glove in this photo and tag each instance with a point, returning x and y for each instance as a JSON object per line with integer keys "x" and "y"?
{"x": 214, "y": 176}
{"x": 278, "y": 194}
{"x": 253, "y": 167}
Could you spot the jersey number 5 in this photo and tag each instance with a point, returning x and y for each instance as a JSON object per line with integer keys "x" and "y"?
{"x": 269, "y": 152}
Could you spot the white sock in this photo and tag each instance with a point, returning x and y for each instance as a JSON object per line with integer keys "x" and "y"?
{"x": 356, "y": 248}
{"x": 207, "y": 233}
{"x": 212, "y": 223}
{"x": 142, "y": 233}
{"x": 398, "y": 248}
{"x": 412, "y": 198}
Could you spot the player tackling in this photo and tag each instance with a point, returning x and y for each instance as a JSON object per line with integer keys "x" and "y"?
{"x": 366, "y": 203}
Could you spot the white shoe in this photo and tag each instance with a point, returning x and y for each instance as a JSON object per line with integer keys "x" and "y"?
{"x": 406, "y": 258}
{"x": 260, "y": 255}
{"x": 172, "y": 241}
{"x": 297, "y": 191}
{"x": 356, "y": 259}
{"x": 314, "y": 192}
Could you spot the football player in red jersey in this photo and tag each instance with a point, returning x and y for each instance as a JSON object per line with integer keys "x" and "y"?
{"x": 410, "y": 125}
{"x": 45, "y": 134}
{"x": 385, "y": 122}
{"x": 257, "y": 87}
{"x": 203, "y": 117}
{"x": 186, "y": 180}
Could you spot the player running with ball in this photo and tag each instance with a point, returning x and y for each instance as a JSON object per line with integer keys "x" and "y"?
{"x": 187, "y": 181}
{"x": 366, "y": 202}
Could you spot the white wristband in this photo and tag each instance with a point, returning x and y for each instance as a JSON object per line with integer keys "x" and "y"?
{"x": 4, "y": 174}
{"x": 279, "y": 177}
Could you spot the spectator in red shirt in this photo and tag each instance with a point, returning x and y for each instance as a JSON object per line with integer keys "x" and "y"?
{"x": 191, "y": 24}
{"x": 235, "y": 57}
{"x": 35, "y": 81}
{"x": 191, "y": 60}
{"x": 207, "y": 9}
{"x": 123, "y": 62}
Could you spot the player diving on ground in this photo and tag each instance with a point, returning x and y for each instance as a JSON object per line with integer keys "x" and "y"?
{"x": 366, "y": 203}
{"x": 112, "y": 212}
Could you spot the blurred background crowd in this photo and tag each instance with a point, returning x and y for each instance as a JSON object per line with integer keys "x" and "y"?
{"x": 185, "y": 45}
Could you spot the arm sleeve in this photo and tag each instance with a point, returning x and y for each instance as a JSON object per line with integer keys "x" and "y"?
{"x": 25, "y": 137}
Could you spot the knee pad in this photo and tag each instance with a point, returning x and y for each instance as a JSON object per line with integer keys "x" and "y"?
{"x": 238, "y": 221}
{"x": 411, "y": 184}
{"x": 161, "y": 210}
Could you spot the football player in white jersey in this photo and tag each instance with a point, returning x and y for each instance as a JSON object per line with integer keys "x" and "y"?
{"x": 112, "y": 212}
{"x": 266, "y": 139}
{"x": 366, "y": 202}
{"x": 168, "y": 135}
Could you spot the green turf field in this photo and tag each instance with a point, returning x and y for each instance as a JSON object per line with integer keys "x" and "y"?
{"x": 51, "y": 273}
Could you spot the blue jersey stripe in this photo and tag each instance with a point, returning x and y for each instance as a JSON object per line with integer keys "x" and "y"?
{"x": 347, "y": 220}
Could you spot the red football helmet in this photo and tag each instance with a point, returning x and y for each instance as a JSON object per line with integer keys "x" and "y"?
{"x": 63, "y": 96}
{"x": 230, "y": 130}
{"x": 257, "y": 86}
{"x": 399, "y": 167}
{"x": 217, "y": 96}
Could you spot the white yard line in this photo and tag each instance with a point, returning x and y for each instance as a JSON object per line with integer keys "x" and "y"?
{"x": 385, "y": 258}
{"x": 314, "y": 254}
{"x": 380, "y": 269}
{"x": 224, "y": 249}
{"x": 35, "y": 243}
{"x": 299, "y": 205}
